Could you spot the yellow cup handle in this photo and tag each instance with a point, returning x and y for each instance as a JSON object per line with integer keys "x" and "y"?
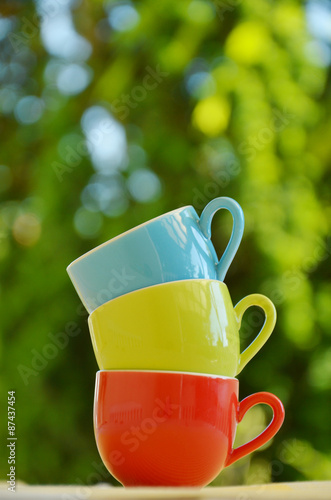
{"x": 269, "y": 324}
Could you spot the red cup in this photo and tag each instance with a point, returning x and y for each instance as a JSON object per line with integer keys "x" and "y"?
{"x": 172, "y": 428}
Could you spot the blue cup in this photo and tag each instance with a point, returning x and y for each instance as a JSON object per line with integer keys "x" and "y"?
{"x": 174, "y": 246}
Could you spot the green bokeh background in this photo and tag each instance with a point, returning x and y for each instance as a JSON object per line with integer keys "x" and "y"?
{"x": 242, "y": 110}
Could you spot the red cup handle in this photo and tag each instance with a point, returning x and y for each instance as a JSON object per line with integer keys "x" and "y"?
{"x": 268, "y": 433}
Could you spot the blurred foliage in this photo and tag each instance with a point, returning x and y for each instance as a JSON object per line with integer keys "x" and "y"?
{"x": 237, "y": 103}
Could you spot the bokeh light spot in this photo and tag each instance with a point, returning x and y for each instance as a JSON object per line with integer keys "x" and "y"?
{"x": 319, "y": 19}
{"x": 200, "y": 12}
{"x": 123, "y": 17}
{"x": 318, "y": 53}
{"x": 106, "y": 194}
{"x": 96, "y": 196}
{"x": 176, "y": 55}
{"x": 27, "y": 229}
{"x": 320, "y": 370}
{"x": 29, "y": 109}
{"x": 248, "y": 43}
{"x": 200, "y": 84}
{"x": 211, "y": 115}
{"x": 137, "y": 155}
{"x": 116, "y": 207}
{"x": 87, "y": 224}
{"x": 5, "y": 27}
{"x": 144, "y": 185}
{"x": 60, "y": 38}
{"x": 8, "y": 100}
{"x": 9, "y": 211}
{"x": 73, "y": 79}
{"x": 105, "y": 139}
{"x": 299, "y": 324}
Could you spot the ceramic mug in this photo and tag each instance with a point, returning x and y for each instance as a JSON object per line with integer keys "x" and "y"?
{"x": 173, "y": 429}
{"x": 188, "y": 325}
{"x": 171, "y": 247}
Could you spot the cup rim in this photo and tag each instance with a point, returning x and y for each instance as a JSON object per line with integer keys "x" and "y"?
{"x": 167, "y": 283}
{"x": 86, "y": 254}
{"x": 175, "y": 372}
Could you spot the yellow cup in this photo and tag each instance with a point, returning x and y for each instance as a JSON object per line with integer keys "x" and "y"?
{"x": 188, "y": 325}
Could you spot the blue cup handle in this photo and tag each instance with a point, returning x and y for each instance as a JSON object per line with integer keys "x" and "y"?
{"x": 205, "y": 220}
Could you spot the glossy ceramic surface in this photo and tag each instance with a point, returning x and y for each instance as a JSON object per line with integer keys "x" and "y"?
{"x": 188, "y": 325}
{"x": 171, "y": 247}
{"x": 172, "y": 429}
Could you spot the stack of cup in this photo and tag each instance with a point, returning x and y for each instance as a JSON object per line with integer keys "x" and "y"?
{"x": 166, "y": 339}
